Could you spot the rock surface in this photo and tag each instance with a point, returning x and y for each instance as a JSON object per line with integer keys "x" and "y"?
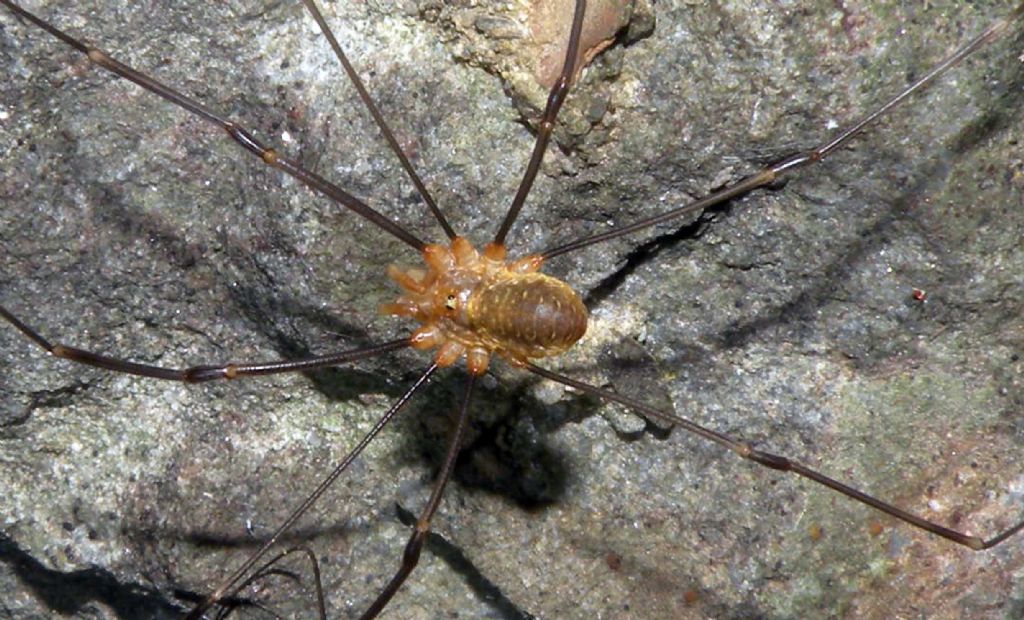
{"x": 788, "y": 318}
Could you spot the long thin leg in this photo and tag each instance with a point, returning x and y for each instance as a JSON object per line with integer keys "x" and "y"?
{"x": 413, "y": 548}
{"x": 378, "y": 118}
{"x": 790, "y": 164}
{"x": 265, "y": 570}
{"x": 199, "y": 374}
{"x": 547, "y": 122}
{"x": 237, "y": 133}
{"x": 782, "y": 463}
{"x": 236, "y": 577}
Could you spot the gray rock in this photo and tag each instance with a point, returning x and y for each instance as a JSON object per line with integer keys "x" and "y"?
{"x": 787, "y": 318}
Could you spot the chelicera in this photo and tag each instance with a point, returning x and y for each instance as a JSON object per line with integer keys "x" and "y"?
{"x": 444, "y": 309}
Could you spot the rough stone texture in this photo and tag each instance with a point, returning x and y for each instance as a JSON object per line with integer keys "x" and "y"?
{"x": 786, "y": 318}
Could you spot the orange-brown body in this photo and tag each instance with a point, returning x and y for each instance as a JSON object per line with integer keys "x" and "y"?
{"x": 477, "y": 304}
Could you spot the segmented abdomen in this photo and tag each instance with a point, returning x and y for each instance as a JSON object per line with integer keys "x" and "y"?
{"x": 527, "y": 315}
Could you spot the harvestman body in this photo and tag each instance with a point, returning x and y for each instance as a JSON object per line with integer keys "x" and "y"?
{"x": 519, "y": 354}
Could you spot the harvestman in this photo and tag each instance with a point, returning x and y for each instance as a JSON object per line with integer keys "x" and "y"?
{"x": 209, "y": 373}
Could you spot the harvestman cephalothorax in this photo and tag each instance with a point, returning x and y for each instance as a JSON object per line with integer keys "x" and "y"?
{"x": 650, "y": 519}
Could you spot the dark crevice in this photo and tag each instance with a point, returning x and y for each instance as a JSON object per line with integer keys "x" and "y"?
{"x": 649, "y": 250}
{"x": 38, "y": 399}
